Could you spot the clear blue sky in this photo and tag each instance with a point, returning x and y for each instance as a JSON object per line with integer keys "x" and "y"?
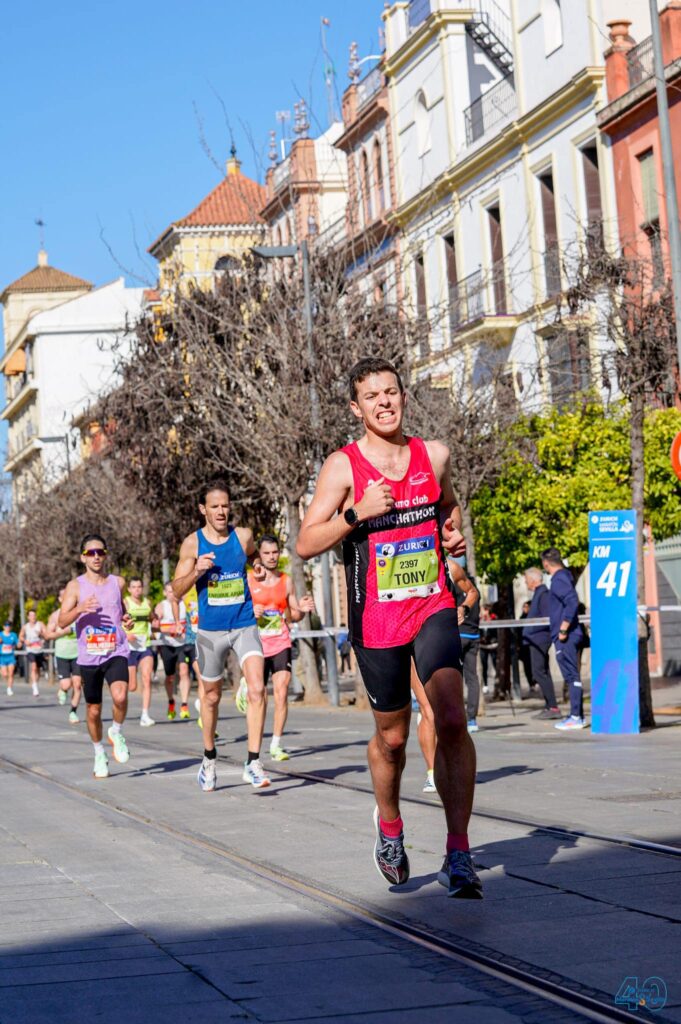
{"x": 100, "y": 133}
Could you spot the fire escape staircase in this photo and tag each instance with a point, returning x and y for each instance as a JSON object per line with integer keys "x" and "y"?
{"x": 490, "y": 27}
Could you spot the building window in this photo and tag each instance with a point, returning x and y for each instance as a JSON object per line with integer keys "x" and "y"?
{"x": 422, "y": 119}
{"x": 366, "y": 189}
{"x": 421, "y": 304}
{"x": 551, "y": 251}
{"x": 380, "y": 292}
{"x": 569, "y": 365}
{"x": 553, "y": 25}
{"x": 378, "y": 177}
{"x": 651, "y": 215}
{"x": 452, "y": 281}
{"x": 227, "y": 263}
{"x": 592, "y": 193}
{"x": 497, "y": 250}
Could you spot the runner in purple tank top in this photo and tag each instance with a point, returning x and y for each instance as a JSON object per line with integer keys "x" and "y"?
{"x": 94, "y": 601}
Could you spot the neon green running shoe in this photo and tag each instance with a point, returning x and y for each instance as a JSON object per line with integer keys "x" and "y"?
{"x": 241, "y": 698}
{"x": 278, "y": 754}
{"x": 61, "y": 696}
{"x": 101, "y": 766}
{"x": 120, "y": 747}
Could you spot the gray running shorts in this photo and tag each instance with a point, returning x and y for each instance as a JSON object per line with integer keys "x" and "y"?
{"x": 213, "y": 646}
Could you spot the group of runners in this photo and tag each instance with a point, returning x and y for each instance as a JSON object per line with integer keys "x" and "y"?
{"x": 388, "y": 500}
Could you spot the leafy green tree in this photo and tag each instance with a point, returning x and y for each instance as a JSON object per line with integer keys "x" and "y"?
{"x": 561, "y": 465}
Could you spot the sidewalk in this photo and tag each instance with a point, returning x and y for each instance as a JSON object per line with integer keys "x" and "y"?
{"x": 103, "y": 917}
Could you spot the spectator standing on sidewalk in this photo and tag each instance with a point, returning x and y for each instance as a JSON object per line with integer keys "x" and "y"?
{"x": 537, "y": 641}
{"x": 566, "y": 633}
{"x": 468, "y": 612}
{"x": 489, "y": 644}
{"x": 344, "y": 648}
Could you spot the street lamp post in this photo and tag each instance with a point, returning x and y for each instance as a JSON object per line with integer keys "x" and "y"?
{"x": 291, "y": 251}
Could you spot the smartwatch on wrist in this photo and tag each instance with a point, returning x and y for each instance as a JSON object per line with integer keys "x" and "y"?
{"x": 351, "y": 518}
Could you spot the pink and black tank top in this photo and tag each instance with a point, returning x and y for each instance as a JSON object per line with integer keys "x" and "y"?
{"x": 394, "y": 564}
{"x": 100, "y": 633}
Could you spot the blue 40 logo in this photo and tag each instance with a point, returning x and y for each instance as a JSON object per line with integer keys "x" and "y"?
{"x": 651, "y": 994}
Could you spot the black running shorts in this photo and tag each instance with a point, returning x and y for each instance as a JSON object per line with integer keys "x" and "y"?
{"x": 67, "y": 667}
{"x": 279, "y": 662}
{"x": 170, "y": 657}
{"x": 113, "y": 670}
{"x": 386, "y": 671}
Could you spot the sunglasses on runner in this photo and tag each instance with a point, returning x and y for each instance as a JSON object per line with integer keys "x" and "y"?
{"x": 95, "y": 552}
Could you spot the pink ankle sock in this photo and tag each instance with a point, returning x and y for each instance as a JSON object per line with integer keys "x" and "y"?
{"x": 391, "y": 829}
{"x": 456, "y": 841}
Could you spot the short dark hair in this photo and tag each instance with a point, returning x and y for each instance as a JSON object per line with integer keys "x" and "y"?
{"x": 217, "y": 484}
{"x": 91, "y": 536}
{"x": 552, "y": 556}
{"x": 135, "y": 579}
{"x": 365, "y": 367}
{"x": 268, "y": 538}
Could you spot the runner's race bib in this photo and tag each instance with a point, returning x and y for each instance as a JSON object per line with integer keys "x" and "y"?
{"x": 7, "y": 649}
{"x": 226, "y": 588}
{"x": 270, "y": 623}
{"x": 100, "y": 640}
{"x": 407, "y": 568}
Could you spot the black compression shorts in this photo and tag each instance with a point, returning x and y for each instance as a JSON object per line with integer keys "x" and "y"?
{"x": 113, "y": 670}
{"x": 67, "y": 667}
{"x": 279, "y": 662}
{"x": 170, "y": 657}
{"x": 386, "y": 671}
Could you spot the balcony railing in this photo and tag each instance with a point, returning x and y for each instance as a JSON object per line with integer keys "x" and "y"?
{"x": 493, "y": 109}
{"x": 481, "y": 294}
{"x": 20, "y": 440}
{"x": 418, "y": 12}
{"x": 281, "y": 174}
{"x": 640, "y": 62}
{"x": 369, "y": 86}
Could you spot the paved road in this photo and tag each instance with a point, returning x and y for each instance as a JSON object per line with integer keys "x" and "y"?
{"x": 104, "y": 915}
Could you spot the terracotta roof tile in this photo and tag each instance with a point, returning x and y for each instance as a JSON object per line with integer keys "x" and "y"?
{"x": 236, "y": 200}
{"x": 47, "y": 279}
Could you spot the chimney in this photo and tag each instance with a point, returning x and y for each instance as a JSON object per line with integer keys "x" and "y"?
{"x": 42, "y": 258}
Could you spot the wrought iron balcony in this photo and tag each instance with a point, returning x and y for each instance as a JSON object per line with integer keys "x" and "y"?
{"x": 640, "y": 62}
{"x": 481, "y": 294}
{"x": 492, "y": 110}
{"x": 369, "y": 86}
{"x": 491, "y": 29}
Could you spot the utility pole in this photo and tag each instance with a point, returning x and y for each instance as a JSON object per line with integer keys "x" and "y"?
{"x": 269, "y": 252}
{"x": 671, "y": 198}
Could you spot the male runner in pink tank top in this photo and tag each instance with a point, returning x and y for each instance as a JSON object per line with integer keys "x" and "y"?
{"x": 94, "y": 601}
{"x": 389, "y": 499}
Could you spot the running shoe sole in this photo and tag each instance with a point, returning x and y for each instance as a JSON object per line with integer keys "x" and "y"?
{"x": 391, "y": 881}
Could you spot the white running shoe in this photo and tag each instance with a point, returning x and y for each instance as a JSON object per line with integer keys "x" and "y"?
{"x": 101, "y": 768}
{"x": 255, "y": 774}
{"x": 10, "y": 691}
{"x": 35, "y": 690}
{"x": 207, "y": 776}
{"x": 197, "y": 704}
{"x": 429, "y": 785}
{"x": 61, "y": 696}
{"x": 120, "y": 747}
{"x": 146, "y": 719}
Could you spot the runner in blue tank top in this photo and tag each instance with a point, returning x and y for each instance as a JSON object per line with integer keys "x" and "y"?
{"x": 214, "y": 560}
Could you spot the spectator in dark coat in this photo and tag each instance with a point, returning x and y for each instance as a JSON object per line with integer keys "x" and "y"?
{"x": 566, "y": 633}
{"x": 537, "y": 641}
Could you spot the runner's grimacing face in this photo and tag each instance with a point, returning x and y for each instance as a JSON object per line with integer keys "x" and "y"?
{"x": 216, "y": 510}
{"x": 269, "y": 554}
{"x": 380, "y": 403}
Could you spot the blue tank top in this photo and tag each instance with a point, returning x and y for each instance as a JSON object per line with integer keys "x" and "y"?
{"x": 224, "y": 596}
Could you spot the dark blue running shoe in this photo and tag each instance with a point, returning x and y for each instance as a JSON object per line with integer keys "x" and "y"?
{"x": 459, "y": 878}
{"x": 390, "y": 856}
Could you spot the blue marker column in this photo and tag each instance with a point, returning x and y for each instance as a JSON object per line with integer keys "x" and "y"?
{"x": 614, "y": 633}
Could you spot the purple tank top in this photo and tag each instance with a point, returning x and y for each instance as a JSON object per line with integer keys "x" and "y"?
{"x": 100, "y": 634}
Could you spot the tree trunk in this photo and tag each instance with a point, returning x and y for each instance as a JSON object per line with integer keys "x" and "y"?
{"x": 645, "y": 697}
{"x": 469, "y": 537}
{"x": 307, "y": 665}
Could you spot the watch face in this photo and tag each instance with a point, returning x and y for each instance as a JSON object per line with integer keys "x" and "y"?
{"x": 350, "y": 516}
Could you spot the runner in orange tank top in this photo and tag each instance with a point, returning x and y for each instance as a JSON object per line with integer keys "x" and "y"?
{"x": 389, "y": 500}
{"x": 274, "y": 603}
